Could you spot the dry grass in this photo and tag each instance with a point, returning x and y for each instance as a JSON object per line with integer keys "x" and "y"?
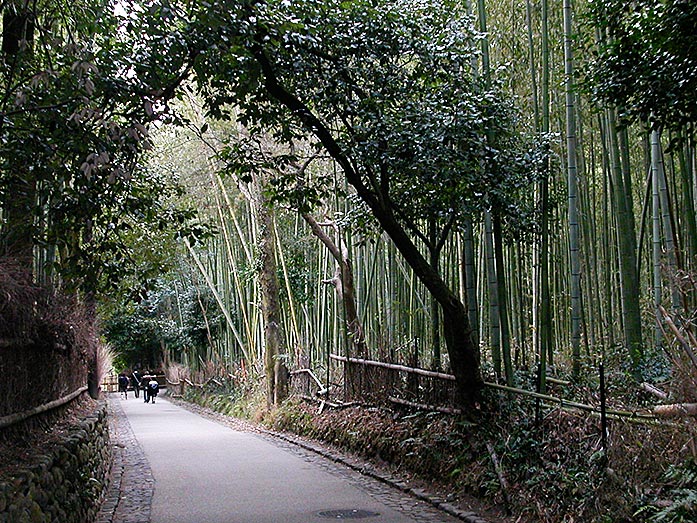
{"x": 19, "y": 301}
{"x": 556, "y": 471}
{"x": 47, "y": 339}
{"x": 105, "y": 360}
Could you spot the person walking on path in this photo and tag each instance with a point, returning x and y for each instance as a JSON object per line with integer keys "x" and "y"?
{"x": 146, "y": 392}
{"x": 123, "y": 385}
{"x": 153, "y": 388}
{"x": 136, "y": 379}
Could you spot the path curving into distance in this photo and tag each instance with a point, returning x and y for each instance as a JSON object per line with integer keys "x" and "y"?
{"x": 206, "y": 472}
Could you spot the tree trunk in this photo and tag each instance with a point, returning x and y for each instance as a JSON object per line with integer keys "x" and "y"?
{"x": 572, "y": 171}
{"x": 656, "y": 241}
{"x": 93, "y": 363}
{"x": 666, "y": 217}
{"x": 274, "y": 353}
{"x": 343, "y": 284}
{"x": 688, "y": 207}
{"x": 543, "y": 329}
{"x": 469, "y": 277}
{"x": 434, "y": 257}
{"x": 503, "y": 302}
{"x": 493, "y": 286}
{"x": 626, "y": 239}
{"x": 464, "y": 355}
{"x": 17, "y": 27}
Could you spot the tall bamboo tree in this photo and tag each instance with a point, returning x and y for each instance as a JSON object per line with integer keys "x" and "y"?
{"x": 574, "y": 240}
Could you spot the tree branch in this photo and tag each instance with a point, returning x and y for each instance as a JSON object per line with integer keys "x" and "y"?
{"x": 446, "y": 233}
{"x": 323, "y": 237}
{"x": 429, "y": 277}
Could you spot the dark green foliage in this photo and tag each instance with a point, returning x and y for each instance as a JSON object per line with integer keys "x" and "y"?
{"x": 681, "y": 489}
{"x": 180, "y": 318}
{"x": 74, "y": 126}
{"x": 298, "y": 276}
{"x": 389, "y": 92}
{"x": 555, "y": 463}
{"x": 647, "y": 61}
{"x": 237, "y": 400}
{"x": 392, "y": 83}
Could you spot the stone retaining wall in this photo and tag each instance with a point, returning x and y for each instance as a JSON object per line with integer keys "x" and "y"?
{"x": 65, "y": 483}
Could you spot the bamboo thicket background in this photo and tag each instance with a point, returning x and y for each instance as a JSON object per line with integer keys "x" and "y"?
{"x": 632, "y": 194}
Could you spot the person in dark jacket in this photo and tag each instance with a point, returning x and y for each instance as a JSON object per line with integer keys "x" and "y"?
{"x": 136, "y": 382}
{"x": 146, "y": 392}
{"x": 153, "y": 388}
{"x": 123, "y": 385}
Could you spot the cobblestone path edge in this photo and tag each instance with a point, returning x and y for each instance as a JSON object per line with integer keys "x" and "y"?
{"x": 131, "y": 485}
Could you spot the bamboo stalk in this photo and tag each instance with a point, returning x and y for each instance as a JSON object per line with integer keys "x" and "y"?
{"x": 651, "y": 389}
{"x": 286, "y": 281}
{"x": 235, "y": 272}
{"x": 683, "y": 342}
{"x": 218, "y": 299}
{"x": 393, "y": 366}
{"x": 499, "y": 473}
{"x": 676, "y": 410}
{"x": 321, "y": 388}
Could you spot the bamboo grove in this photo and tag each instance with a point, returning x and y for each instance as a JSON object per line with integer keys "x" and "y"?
{"x": 604, "y": 238}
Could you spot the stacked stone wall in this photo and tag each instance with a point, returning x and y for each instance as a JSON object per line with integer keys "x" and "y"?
{"x": 64, "y": 483}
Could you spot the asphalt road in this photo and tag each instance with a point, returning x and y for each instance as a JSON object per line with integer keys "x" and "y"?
{"x": 205, "y": 472}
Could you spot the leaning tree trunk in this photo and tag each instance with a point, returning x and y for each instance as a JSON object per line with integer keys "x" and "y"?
{"x": 457, "y": 334}
{"x": 342, "y": 282}
{"x": 463, "y": 354}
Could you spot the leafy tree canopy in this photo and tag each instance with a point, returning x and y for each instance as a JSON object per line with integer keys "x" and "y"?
{"x": 75, "y": 109}
{"x": 647, "y": 62}
{"x": 387, "y": 88}
{"x": 181, "y": 317}
{"x": 389, "y": 91}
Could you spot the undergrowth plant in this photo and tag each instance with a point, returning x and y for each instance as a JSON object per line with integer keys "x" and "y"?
{"x": 245, "y": 403}
{"x": 681, "y": 491}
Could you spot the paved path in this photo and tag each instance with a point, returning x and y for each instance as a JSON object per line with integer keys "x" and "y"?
{"x": 173, "y": 466}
